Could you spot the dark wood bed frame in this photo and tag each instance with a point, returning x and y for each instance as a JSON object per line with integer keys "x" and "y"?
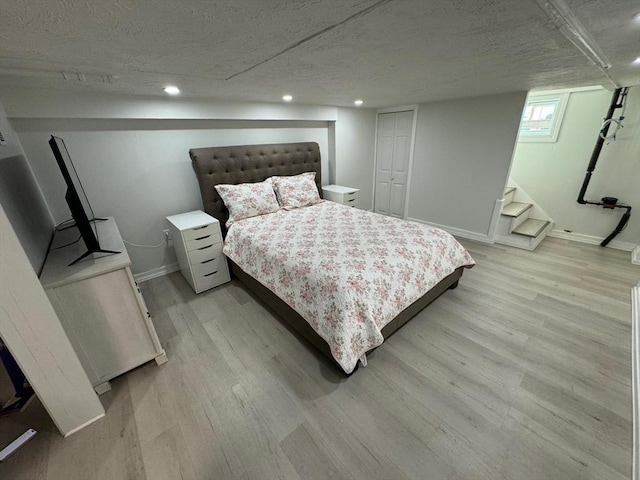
{"x": 255, "y": 163}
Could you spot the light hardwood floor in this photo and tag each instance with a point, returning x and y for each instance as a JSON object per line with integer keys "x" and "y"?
{"x": 522, "y": 372}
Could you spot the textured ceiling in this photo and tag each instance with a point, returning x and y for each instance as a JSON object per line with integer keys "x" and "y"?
{"x": 387, "y": 52}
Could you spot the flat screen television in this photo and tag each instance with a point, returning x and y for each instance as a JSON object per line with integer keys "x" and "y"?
{"x": 77, "y": 200}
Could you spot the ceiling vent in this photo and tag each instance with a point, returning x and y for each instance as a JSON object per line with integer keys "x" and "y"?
{"x": 88, "y": 77}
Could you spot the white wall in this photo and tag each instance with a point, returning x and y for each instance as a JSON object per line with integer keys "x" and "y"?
{"x": 21, "y": 197}
{"x": 131, "y": 153}
{"x": 355, "y": 154}
{"x": 552, "y": 173}
{"x": 57, "y": 104}
{"x": 463, "y": 150}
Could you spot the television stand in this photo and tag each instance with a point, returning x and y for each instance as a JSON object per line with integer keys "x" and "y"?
{"x": 89, "y": 252}
{"x": 73, "y": 225}
{"x": 100, "y": 307}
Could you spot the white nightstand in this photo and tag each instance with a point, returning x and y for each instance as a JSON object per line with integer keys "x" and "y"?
{"x": 197, "y": 241}
{"x": 344, "y": 195}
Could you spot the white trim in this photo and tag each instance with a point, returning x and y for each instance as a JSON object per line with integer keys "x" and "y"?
{"x": 86, "y": 424}
{"x": 516, "y": 242}
{"x": 403, "y": 108}
{"x": 635, "y": 255}
{"x": 552, "y": 136}
{"x": 412, "y": 152}
{"x": 567, "y": 90}
{"x": 156, "y": 272}
{"x": 414, "y": 130}
{"x": 457, "y": 232}
{"x": 635, "y": 376}
{"x": 495, "y": 217}
{"x": 375, "y": 165}
{"x": 591, "y": 240}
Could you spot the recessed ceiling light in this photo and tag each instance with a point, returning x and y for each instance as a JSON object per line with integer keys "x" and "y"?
{"x": 636, "y": 61}
{"x": 358, "y": 102}
{"x": 287, "y": 98}
{"x": 172, "y": 90}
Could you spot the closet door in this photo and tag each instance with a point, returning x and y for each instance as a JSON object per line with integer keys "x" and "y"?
{"x": 395, "y": 131}
{"x": 384, "y": 161}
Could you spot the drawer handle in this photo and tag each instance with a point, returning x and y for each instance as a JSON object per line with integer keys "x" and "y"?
{"x": 209, "y": 274}
{"x": 210, "y": 260}
{"x": 202, "y": 238}
{"x": 352, "y": 200}
{"x": 200, "y": 228}
{"x": 204, "y": 248}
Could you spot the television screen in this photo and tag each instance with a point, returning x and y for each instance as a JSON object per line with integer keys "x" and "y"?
{"x": 77, "y": 200}
{"x": 71, "y": 177}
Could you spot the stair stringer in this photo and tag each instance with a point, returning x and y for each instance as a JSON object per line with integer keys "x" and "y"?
{"x": 503, "y": 233}
{"x": 521, "y": 196}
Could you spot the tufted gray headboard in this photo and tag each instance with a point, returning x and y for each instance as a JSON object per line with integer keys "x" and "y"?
{"x": 249, "y": 164}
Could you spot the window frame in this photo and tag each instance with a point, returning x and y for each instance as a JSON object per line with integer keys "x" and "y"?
{"x": 552, "y": 135}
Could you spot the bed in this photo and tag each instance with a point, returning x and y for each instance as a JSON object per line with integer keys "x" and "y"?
{"x": 275, "y": 258}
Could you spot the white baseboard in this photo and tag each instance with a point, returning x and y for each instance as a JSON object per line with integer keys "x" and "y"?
{"x": 635, "y": 378}
{"x": 457, "y": 232}
{"x": 156, "y": 272}
{"x": 579, "y": 237}
{"x": 635, "y": 255}
{"x": 510, "y": 241}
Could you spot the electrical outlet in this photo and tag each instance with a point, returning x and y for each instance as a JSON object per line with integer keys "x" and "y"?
{"x": 167, "y": 235}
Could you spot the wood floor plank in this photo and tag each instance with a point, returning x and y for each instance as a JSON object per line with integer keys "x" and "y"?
{"x": 247, "y": 438}
{"x": 272, "y": 403}
{"x": 556, "y": 419}
{"x": 392, "y": 435}
{"x": 352, "y": 453}
{"x": 308, "y": 458}
{"x": 477, "y": 392}
{"x": 570, "y": 459}
{"x": 166, "y": 457}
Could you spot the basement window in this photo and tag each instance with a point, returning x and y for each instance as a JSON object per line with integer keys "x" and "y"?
{"x": 542, "y": 117}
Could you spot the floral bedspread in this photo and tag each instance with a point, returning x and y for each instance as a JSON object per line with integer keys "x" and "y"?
{"x": 346, "y": 271}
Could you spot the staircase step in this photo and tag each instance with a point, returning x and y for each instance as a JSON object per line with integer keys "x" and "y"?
{"x": 515, "y": 209}
{"x": 508, "y": 190}
{"x": 531, "y": 227}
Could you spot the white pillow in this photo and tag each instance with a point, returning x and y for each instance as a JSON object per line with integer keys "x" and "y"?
{"x": 248, "y": 200}
{"x": 296, "y": 191}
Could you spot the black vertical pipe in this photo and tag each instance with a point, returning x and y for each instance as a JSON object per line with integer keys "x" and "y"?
{"x": 596, "y": 151}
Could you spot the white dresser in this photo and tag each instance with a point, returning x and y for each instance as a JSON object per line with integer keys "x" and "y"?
{"x": 344, "y": 195}
{"x": 198, "y": 244}
{"x": 100, "y": 306}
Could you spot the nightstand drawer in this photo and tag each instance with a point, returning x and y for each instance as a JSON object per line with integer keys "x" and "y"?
{"x": 204, "y": 253}
{"x": 202, "y": 241}
{"x": 351, "y": 202}
{"x": 202, "y": 231}
{"x": 211, "y": 280}
{"x": 212, "y": 265}
{"x": 347, "y": 196}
